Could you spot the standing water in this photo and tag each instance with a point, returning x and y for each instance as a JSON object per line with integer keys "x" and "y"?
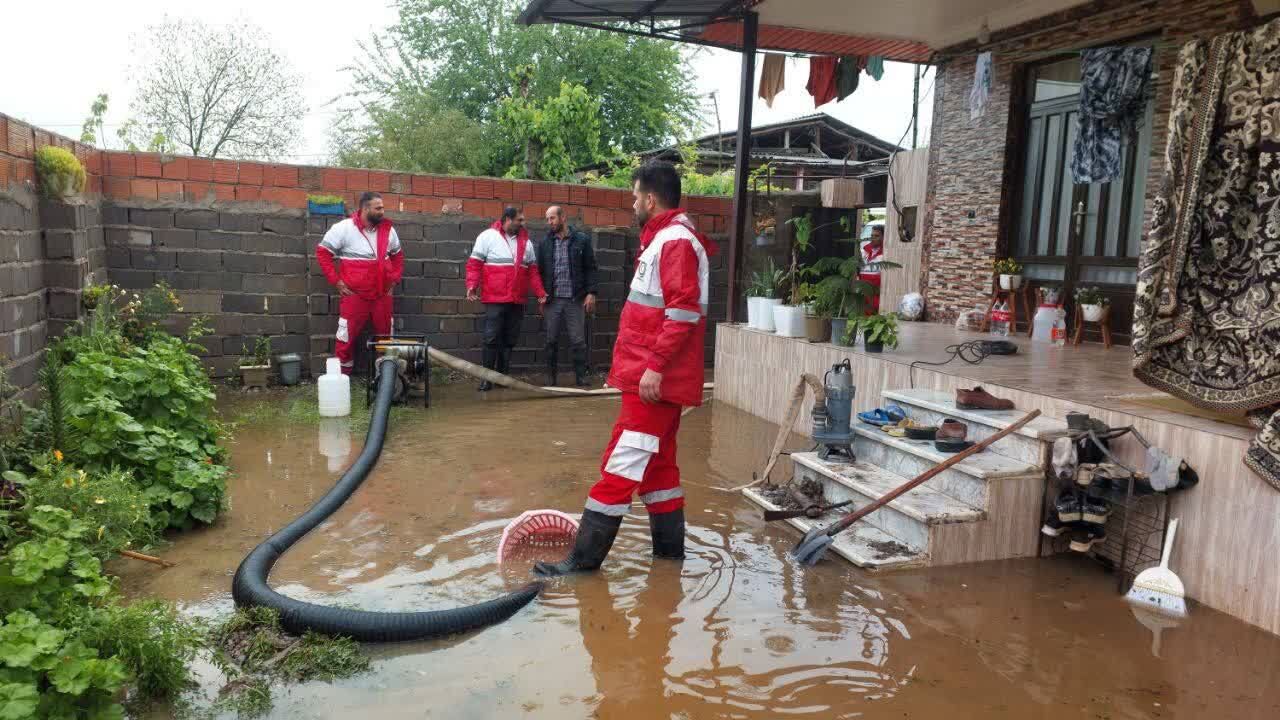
{"x": 738, "y": 631}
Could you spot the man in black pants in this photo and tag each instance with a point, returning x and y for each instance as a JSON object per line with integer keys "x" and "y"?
{"x": 502, "y": 272}
{"x": 568, "y": 266}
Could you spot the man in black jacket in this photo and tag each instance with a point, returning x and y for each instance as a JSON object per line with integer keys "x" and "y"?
{"x": 568, "y": 266}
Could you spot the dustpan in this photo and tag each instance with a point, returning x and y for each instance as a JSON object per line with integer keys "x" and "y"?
{"x": 536, "y": 529}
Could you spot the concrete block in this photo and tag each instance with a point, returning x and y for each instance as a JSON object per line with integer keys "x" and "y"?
{"x": 263, "y": 243}
{"x": 289, "y": 343}
{"x": 297, "y": 324}
{"x": 297, "y": 245}
{"x": 175, "y": 239}
{"x": 97, "y": 237}
{"x": 316, "y": 225}
{"x": 244, "y": 262}
{"x": 159, "y": 218}
{"x": 201, "y": 303}
{"x": 196, "y": 219}
{"x": 118, "y": 257}
{"x": 409, "y": 231}
{"x": 30, "y": 247}
{"x": 115, "y": 215}
{"x": 222, "y": 367}
{"x": 457, "y": 325}
{"x": 233, "y": 282}
{"x": 443, "y": 270}
{"x": 60, "y": 215}
{"x": 133, "y": 279}
{"x": 242, "y": 303}
{"x": 294, "y": 284}
{"x": 286, "y": 264}
{"x": 64, "y": 304}
{"x": 8, "y": 248}
{"x": 420, "y": 286}
{"x": 418, "y": 250}
{"x": 240, "y": 222}
{"x": 7, "y": 283}
{"x": 64, "y": 244}
{"x": 226, "y": 325}
{"x": 287, "y": 305}
{"x": 263, "y": 325}
{"x": 183, "y": 280}
{"x": 66, "y": 273}
{"x": 453, "y": 288}
{"x": 453, "y": 250}
{"x": 217, "y": 240}
{"x": 195, "y": 260}
{"x": 282, "y": 225}
{"x": 319, "y": 304}
{"x": 144, "y": 259}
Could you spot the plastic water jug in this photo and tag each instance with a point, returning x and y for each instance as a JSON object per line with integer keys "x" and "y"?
{"x": 335, "y": 442}
{"x": 335, "y": 390}
{"x": 1042, "y": 324}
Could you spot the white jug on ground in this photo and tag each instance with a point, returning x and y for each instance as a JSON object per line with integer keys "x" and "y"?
{"x": 335, "y": 390}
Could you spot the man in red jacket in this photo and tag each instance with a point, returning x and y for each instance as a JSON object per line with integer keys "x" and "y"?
{"x": 501, "y": 273}
{"x": 370, "y": 263}
{"x": 658, "y": 366}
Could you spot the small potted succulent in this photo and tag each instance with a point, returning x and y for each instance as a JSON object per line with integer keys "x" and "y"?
{"x": 878, "y": 331}
{"x": 326, "y": 205}
{"x": 254, "y": 369}
{"x": 1092, "y": 303}
{"x": 1010, "y": 272}
{"x": 61, "y": 175}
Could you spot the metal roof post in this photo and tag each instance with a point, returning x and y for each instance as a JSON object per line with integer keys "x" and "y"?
{"x": 742, "y": 160}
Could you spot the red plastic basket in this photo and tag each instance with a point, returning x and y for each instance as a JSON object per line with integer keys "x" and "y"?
{"x": 537, "y": 529}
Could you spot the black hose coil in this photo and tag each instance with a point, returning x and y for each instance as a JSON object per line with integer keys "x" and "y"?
{"x": 250, "y": 588}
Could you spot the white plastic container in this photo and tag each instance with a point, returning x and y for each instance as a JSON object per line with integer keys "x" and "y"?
{"x": 1042, "y": 324}
{"x": 335, "y": 442}
{"x": 753, "y": 312}
{"x": 788, "y": 320}
{"x": 335, "y": 390}
{"x": 766, "y": 306}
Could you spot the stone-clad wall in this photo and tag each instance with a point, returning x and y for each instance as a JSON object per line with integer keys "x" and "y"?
{"x": 251, "y": 269}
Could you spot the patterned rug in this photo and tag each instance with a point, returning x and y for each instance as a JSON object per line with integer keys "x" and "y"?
{"x": 1207, "y": 315}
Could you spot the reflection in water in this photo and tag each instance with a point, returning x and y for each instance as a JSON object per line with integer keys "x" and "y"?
{"x": 737, "y": 630}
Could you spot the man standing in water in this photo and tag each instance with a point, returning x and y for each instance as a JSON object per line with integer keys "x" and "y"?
{"x": 569, "y": 273}
{"x": 658, "y": 366}
{"x": 501, "y": 273}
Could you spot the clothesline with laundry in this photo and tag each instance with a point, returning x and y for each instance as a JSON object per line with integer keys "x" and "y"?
{"x": 830, "y": 77}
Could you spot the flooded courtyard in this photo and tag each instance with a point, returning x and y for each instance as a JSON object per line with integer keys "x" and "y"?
{"x": 738, "y": 630}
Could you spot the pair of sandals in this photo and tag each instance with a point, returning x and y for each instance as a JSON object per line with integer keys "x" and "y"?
{"x": 880, "y": 417}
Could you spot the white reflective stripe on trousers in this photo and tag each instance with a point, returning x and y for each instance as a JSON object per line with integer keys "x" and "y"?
{"x": 658, "y": 496}
{"x": 613, "y": 510}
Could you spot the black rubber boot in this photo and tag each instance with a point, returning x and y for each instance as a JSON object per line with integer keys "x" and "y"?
{"x": 596, "y": 534}
{"x": 581, "y": 372}
{"x": 552, "y": 375}
{"x": 504, "y": 364}
{"x": 489, "y": 359}
{"x": 667, "y": 530}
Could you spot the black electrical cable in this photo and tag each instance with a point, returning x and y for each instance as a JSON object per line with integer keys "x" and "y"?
{"x": 972, "y": 352}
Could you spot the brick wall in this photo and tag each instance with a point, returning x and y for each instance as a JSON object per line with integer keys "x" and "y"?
{"x": 974, "y": 164}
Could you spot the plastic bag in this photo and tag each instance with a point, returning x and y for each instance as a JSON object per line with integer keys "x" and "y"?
{"x": 911, "y": 306}
{"x": 971, "y": 319}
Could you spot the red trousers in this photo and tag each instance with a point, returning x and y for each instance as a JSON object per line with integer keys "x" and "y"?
{"x": 353, "y": 312}
{"x": 641, "y": 457}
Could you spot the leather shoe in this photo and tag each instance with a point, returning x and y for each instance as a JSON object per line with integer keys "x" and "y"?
{"x": 952, "y": 430}
{"x": 979, "y": 399}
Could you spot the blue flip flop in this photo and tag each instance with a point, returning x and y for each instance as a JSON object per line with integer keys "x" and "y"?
{"x": 895, "y": 413}
{"x": 881, "y": 417}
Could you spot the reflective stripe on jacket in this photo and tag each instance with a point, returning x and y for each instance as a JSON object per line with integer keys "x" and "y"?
{"x": 492, "y": 267}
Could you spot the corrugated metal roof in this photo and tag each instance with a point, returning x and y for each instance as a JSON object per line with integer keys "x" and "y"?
{"x": 635, "y": 11}
{"x": 773, "y": 37}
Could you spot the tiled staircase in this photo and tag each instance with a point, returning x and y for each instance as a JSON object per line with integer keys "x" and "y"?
{"x": 986, "y": 507}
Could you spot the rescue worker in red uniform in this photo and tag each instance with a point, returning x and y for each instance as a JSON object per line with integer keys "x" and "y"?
{"x": 658, "y": 366}
{"x": 872, "y": 255}
{"x": 502, "y": 273}
{"x": 370, "y": 263}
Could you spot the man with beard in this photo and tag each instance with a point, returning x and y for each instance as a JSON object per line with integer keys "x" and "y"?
{"x": 569, "y": 272}
{"x": 502, "y": 272}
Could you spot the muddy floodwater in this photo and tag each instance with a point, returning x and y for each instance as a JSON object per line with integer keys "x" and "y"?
{"x": 736, "y": 631}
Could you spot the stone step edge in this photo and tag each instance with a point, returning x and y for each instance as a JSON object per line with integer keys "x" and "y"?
{"x": 1046, "y": 429}
{"x": 933, "y": 456}
{"x": 906, "y": 504}
{"x": 843, "y": 545}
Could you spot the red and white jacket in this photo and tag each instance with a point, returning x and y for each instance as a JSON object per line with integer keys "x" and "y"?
{"x": 371, "y": 262}
{"x": 492, "y": 267}
{"x": 871, "y": 273}
{"x": 664, "y": 321}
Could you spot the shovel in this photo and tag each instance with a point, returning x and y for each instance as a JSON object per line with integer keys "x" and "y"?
{"x": 814, "y": 544}
{"x": 812, "y": 511}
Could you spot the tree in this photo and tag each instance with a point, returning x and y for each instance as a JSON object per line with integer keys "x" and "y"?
{"x": 558, "y": 134}
{"x": 93, "y": 130}
{"x": 214, "y": 91}
{"x": 462, "y": 52}
{"x": 413, "y": 132}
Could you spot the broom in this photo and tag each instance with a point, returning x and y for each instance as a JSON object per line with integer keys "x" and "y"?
{"x": 1159, "y": 588}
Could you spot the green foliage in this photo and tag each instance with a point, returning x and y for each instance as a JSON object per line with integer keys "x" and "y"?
{"x": 1007, "y": 266}
{"x": 617, "y": 174}
{"x": 558, "y": 133}
{"x": 413, "y": 132}
{"x": 1091, "y": 296}
{"x": 767, "y": 281}
{"x": 49, "y": 568}
{"x": 59, "y": 172}
{"x": 45, "y": 672}
{"x": 155, "y": 644}
{"x": 261, "y": 353}
{"x": 875, "y": 329}
{"x": 93, "y": 129}
{"x": 108, "y": 502}
{"x": 326, "y": 199}
{"x": 460, "y": 53}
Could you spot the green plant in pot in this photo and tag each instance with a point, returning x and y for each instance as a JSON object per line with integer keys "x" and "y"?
{"x": 878, "y": 331}
{"x": 1092, "y": 303}
{"x": 254, "y": 368}
{"x": 837, "y": 288}
{"x": 61, "y": 175}
{"x": 789, "y": 316}
{"x": 1010, "y": 272}
{"x": 762, "y": 295}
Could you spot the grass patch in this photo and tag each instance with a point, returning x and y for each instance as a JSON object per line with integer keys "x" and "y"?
{"x": 297, "y": 405}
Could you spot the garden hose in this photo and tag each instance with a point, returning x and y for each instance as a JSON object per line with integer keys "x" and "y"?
{"x": 250, "y": 588}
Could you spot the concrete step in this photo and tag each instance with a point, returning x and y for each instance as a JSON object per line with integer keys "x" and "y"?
{"x": 907, "y": 518}
{"x": 1026, "y": 444}
{"x": 863, "y": 544}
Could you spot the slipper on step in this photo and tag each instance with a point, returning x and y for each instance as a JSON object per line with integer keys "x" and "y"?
{"x": 876, "y": 417}
{"x": 895, "y": 413}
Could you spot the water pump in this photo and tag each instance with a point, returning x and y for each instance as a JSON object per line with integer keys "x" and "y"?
{"x": 831, "y": 419}
{"x": 413, "y": 365}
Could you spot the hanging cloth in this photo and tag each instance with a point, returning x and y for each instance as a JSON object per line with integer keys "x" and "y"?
{"x": 1113, "y": 97}
{"x": 1206, "y": 318}
{"x": 847, "y": 71}
{"x": 822, "y": 80}
{"x": 875, "y": 67}
{"x": 773, "y": 77}
{"x": 981, "y": 86}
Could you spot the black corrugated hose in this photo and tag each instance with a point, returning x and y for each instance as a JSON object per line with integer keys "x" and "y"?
{"x": 250, "y": 588}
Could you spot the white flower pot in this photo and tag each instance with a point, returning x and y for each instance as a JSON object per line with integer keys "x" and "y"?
{"x": 766, "y": 313}
{"x": 788, "y": 320}
{"x": 753, "y": 313}
{"x": 1010, "y": 282}
{"x": 1092, "y": 313}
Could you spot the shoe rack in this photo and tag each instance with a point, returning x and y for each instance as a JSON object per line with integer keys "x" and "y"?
{"x": 1136, "y": 525}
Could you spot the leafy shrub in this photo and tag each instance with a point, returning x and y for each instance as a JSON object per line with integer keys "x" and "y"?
{"x": 109, "y": 502}
{"x": 54, "y": 167}
{"x": 149, "y": 409}
{"x": 151, "y": 639}
{"x": 49, "y": 568}
{"x": 46, "y": 672}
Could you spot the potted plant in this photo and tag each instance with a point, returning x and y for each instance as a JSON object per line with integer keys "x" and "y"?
{"x": 879, "y": 331}
{"x": 838, "y": 292}
{"x": 326, "y": 205}
{"x": 1092, "y": 302}
{"x": 764, "y": 226}
{"x": 762, "y": 296}
{"x": 788, "y": 318}
{"x": 61, "y": 175}
{"x": 1010, "y": 272}
{"x": 254, "y": 369}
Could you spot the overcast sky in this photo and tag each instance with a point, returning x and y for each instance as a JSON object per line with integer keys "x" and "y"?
{"x": 320, "y": 37}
